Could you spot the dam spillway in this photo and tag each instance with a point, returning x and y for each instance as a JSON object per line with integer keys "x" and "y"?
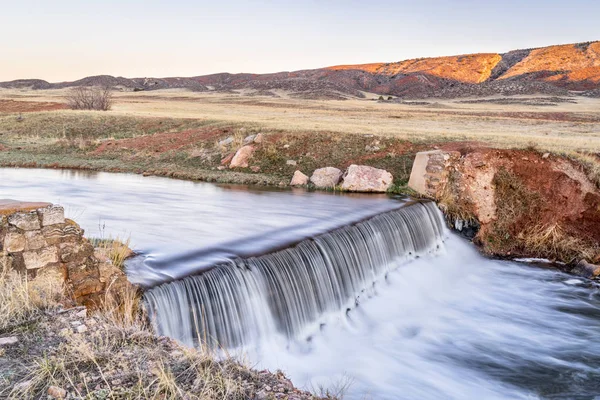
{"x": 287, "y": 291}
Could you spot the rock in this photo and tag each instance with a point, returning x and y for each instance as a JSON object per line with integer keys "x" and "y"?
{"x": 81, "y": 329}
{"x": 258, "y": 138}
{"x": 40, "y": 258}
{"x": 14, "y": 242}
{"x": 226, "y": 142}
{"x": 587, "y": 270}
{"x": 240, "y": 160}
{"x": 255, "y": 168}
{"x": 326, "y": 177}
{"x": 362, "y": 178}
{"x": 25, "y": 221}
{"x": 286, "y": 146}
{"x": 249, "y": 139}
{"x": 34, "y": 240}
{"x": 546, "y": 155}
{"x": 52, "y": 215}
{"x": 221, "y": 167}
{"x": 299, "y": 179}
{"x": 227, "y": 159}
{"x": 291, "y": 162}
{"x": 5, "y": 341}
{"x": 57, "y": 393}
{"x": 82, "y": 313}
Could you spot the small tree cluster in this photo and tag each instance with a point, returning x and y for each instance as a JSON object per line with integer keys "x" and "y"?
{"x": 90, "y": 98}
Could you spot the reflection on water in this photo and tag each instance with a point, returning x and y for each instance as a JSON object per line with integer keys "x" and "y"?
{"x": 449, "y": 326}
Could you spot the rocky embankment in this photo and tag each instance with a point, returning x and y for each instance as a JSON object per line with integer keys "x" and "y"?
{"x": 516, "y": 203}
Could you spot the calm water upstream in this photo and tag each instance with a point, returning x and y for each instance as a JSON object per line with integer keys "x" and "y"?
{"x": 446, "y": 325}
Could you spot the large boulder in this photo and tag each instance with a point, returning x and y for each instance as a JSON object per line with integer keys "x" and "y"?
{"x": 362, "y": 178}
{"x": 326, "y": 177}
{"x": 242, "y": 156}
{"x": 299, "y": 179}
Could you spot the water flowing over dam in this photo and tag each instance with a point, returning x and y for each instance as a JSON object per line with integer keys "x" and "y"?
{"x": 290, "y": 289}
{"x": 339, "y": 290}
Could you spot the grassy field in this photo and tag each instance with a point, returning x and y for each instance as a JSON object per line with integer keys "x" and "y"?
{"x": 176, "y": 133}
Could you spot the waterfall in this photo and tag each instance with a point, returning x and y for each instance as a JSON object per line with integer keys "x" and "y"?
{"x": 289, "y": 291}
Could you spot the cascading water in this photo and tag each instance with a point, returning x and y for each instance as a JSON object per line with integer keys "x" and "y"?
{"x": 287, "y": 291}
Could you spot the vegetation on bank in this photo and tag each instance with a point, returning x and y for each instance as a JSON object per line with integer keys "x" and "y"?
{"x": 111, "y": 353}
{"x": 190, "y": 149}
{"x": 197, "y": 149}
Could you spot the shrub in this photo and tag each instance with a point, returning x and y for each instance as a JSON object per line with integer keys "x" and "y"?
{"x": 90, "y": 98}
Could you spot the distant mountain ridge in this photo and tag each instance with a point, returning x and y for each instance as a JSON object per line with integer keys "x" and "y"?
{"x": 556, "y": 70}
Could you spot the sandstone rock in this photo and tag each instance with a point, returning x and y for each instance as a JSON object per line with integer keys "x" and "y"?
{"x": 240, "y": 160}
{"x": 226, "y": 142}
{"x": 75, "y": 252}
{"x": 227, "y": 159}
{"x": 34, "y": 240}
{"x": 62, "y": 233}
{"x": 326, "y": 177}
{"x": 52, "y": 215}
{"x": 286, "y": 146}
{"x": 362, "y": 178}
{"x": 6, "y": 341}
{"x": 249, "y": 139}
{"x": 14, "y": 242}
{"x": 291, "y": 162}
{"x": 258, "y": 138}
{"x": 299, "y": 179}
{"x": 255, "y": 168}
{"x": 40, "y": 258}
{"x": 57, "y": 393}
{"x": 8, "y": 206}
{"x": 587, "y": 270}
{"x": 81, "y": 329}
{"x": 25, "y": 221}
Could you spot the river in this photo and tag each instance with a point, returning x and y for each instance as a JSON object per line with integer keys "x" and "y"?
{"x": 449, "y": 324}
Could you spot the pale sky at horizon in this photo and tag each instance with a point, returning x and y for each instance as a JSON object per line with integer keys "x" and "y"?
{"x": 70, "y": 39}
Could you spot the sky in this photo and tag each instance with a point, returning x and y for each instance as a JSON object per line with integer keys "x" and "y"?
{"x": 63, "y": 40}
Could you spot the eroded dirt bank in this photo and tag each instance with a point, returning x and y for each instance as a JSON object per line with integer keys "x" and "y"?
{"x": 524, "y": 203}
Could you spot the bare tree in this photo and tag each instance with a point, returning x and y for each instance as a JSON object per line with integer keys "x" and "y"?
{"x": 90, "y": 98}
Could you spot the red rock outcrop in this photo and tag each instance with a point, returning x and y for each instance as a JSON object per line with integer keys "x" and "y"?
{"x": 527, "y": 204}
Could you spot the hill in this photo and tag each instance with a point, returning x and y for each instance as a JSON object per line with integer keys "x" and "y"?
{"x": 554, "y": 70}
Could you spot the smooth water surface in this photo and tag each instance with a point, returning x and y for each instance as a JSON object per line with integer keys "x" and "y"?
{"x": 448, "y": 325}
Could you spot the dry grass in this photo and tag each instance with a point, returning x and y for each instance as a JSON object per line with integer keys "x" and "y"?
{"x": 22, "y": 301}
{"x": 554, "y": 243}
{"x": 457, "y": 209}
{"x": 514, "y": 205}
{"x": 116, "y": 250}
{"x": 448, "y": 121}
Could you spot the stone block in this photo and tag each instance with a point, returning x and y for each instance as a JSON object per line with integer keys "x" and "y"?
{"x": 62, "y": 233}
{"x": 34, "y": 240}
{"x": 14, "y": 242}
{"x": 26, "y": 221}
{"x": 52, "y": 215}
{"x": 40, "y": 258}
{"x": 429, "y": 172}
{"x": 75, "y": 252}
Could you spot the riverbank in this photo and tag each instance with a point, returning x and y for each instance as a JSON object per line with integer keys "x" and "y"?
{"x": 107, "y": 348}
{"x": 73, "y": 353}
